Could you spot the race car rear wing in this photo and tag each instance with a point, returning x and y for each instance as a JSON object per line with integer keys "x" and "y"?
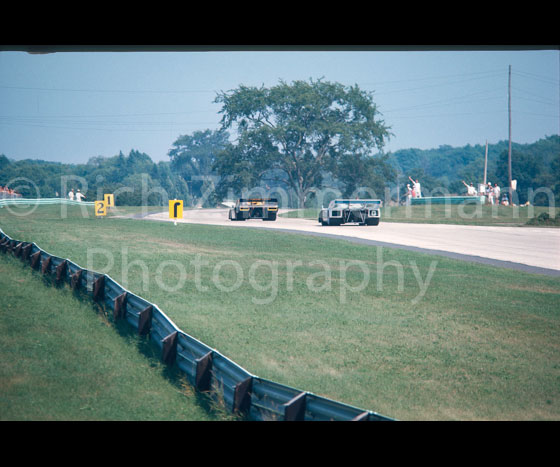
{"x": 258, "y": 201}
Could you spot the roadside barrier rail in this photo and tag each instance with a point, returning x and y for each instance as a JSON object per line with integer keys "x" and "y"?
{"x": 206, "y": 369}
{"x": 41, "y": 201}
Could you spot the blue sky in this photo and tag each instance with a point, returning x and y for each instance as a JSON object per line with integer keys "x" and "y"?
{"x": 70, "y": 106}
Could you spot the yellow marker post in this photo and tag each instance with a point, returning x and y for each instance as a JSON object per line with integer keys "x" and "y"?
{"x": 109, "y": 200}
{"x": 175, "y": 209}
{"x": 100, "y": 208}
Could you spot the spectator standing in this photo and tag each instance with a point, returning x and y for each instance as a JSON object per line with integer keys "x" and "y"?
{"x": 471, "y": 190}
{"x": 416, "y": 187}
{"x": 79, "y": 196}
{"x": 490, "y": 193}
{"x": 497, "y": 193}
{"x": 408, "y": 194}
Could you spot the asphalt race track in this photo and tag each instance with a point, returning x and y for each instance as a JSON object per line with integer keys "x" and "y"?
{"x": 534, "y": 250}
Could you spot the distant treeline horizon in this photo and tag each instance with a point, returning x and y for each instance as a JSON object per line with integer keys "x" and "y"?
{"x": 136, "y": 179}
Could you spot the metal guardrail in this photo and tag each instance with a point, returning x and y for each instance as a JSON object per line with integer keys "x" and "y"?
{"x": 40, "y": 201}
{"x": 205, "y": 368}
{"x": 448, "y": 200}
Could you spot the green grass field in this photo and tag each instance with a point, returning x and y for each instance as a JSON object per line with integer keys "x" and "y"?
{"x": 469, "y": 214}
{"x": 425, "y": 338}
{"x": 61, "y": 359}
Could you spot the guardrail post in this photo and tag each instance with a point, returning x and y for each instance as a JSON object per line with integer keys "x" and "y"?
{"x": 61, "y": 269}
{"x": 294, "y": 410}
{"x": 145, "y": 320}
{"x": 99, "y": 288}
{"x": 242, "y": 395}
{"x": 119, "y": 308}
{"x": 45, "y": 265}
{"x": 17, "y": 249}
{"x": 169, "y": 351}
{"x": 35, "y": 257}
{"x": 25, "y": 251}
{"x": 203, "y": 372}
{"x": 75, "y": 279}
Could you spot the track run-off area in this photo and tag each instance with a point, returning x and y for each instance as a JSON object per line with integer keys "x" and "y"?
{"x": 530, "y": 249}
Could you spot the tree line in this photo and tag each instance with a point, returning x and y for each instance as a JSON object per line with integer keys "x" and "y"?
{"x": 135, "y": 179}
{"x": 295, "y": 139}
{"x": 535, "y": 166}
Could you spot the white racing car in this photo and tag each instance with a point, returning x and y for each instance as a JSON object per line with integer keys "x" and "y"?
{"x": 344, "y": 211}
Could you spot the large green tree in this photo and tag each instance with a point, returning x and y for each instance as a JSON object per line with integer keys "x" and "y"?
{"x": 297, "y": 131}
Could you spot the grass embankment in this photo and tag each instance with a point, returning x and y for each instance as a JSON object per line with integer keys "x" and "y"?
{"x": 481, "y": 343}
{"x": 117, "y": 211}
{"x": 60, "y": 360}
{"x": 469, "y": 214}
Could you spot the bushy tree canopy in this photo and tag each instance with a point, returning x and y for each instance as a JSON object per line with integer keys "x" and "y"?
{"x": 300, "y": 130}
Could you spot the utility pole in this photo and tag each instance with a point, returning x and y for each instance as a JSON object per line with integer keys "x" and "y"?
{"x": 398, "y": 188}
{"x": 485, "y": 162}
{"x": 509, "y": 145}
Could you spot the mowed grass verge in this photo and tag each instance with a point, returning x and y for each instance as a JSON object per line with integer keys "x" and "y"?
{"x": 62, "y": 360}
{"x": 428, "y": 338}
